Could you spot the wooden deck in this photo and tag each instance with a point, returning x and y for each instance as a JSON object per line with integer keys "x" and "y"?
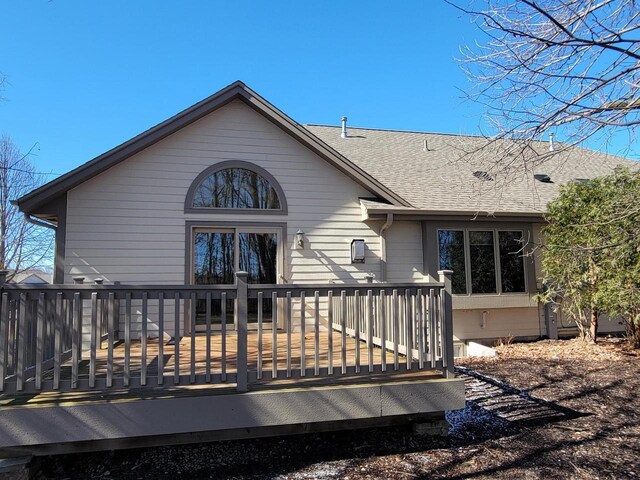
{"x": 316, "y": 354}
{"x": 169, "y": 390}
{"x": 62, "y": 388}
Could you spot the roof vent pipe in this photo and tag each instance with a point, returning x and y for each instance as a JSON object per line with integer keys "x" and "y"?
{"x": 344, "y": 127}
{"x": 551, "y": 145}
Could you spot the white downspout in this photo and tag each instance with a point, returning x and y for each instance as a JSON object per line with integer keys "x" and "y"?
{"x": 383, "y": 247}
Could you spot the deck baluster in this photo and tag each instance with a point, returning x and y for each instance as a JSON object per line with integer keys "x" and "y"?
{"x": 408, "y": 328}
{"x": 93, "y": 335}
{"x": 241, "y": 316}
{"x": 110, "y": 337}
{"x": 192, "y": 336}
{"x": 176, "y": 338}
{"x": 330, "y": 332}
{"x": 395, "y": 321}
{"x": 343, "y": 326}
{"x": 357, "y": 329}
{"x": 76, "y": 336}
{"x": 274, "y": 335}
{"x": 208, "y": 339}
{"x": 317, "y": 333}
{"x": 432, "y": 328}
{"x": 160, "y": 338}
{"x": 288, "y": 304}
{"x": 420, "y": 329}
{"x": 57, "y": 342}
{"x": 303, "y": 325}
{"x": 127, "y": 339}
{"x": 383, "y": 331}
{"x": 143, "y": 340}
{"x": 223, "y": 335}
{"x": 259, "y": 364}
{"x": 370, "y": 329}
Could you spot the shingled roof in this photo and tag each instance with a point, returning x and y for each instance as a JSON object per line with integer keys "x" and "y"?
{"x": 441, "y": 178}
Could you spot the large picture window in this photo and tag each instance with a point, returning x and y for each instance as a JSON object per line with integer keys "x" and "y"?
{"x": 483, "y": 261}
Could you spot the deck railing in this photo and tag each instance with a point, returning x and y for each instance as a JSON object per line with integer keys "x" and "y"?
{"x": 111, "y": 336}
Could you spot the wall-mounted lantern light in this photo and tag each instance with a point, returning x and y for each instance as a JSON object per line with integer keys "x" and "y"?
{"x": 300, "y": 239}
{"x": 357, "y": 251}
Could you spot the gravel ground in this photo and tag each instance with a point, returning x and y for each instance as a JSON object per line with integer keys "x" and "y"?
{"x": 549, "y": 409}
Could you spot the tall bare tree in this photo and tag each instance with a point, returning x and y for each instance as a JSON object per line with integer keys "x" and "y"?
{"x": 23, "y": 245}
{"x": 570, "y": 67}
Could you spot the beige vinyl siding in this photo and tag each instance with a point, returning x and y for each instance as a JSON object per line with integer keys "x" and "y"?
{"x": 500, "y": 322}
{"x": 128, "y": 223}
{"x": 404, "y": 252}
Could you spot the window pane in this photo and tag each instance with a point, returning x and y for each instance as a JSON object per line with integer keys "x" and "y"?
{"x": 236, "y": 188}
{"x": 482, "y": 262}
{"x": 214, "y": 252}
{"x": 511, "y": 261}
{"x": 258, "y": 255}
{"x": 213, "y": 264}
{"x": 451, "y": 251}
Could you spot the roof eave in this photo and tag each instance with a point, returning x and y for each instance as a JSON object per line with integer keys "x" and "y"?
{"x": 475, "y": 214}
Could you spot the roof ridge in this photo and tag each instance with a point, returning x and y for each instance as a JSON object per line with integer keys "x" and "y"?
{"x": 397, "y": 130}
{"x": 470, "y": 135}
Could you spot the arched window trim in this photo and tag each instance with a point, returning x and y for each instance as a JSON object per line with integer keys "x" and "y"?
{"x": 188, "y": 204}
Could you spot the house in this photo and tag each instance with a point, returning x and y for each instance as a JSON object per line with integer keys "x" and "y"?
{"x": 416, "y": 209}
{"x": 31, "y": 275}
{"x": 308, "y": 267}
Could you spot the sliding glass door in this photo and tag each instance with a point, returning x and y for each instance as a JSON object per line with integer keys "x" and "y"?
{"x": 218, "y": 253}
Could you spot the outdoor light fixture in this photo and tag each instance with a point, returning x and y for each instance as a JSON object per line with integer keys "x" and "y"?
{"x": 300, "y": 239}
{"x": 357, "y": 251}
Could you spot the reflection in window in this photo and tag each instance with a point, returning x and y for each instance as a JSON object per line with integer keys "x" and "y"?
{"x": 213, "y": 264}
{"x": 511, "y": 262}
{"x": 214, "y": 253}
{"x": 451, "y": 251}
{"x": 482, "y": 262}
{"x": 236, "y": 188}
{"x": 258, "y": 253}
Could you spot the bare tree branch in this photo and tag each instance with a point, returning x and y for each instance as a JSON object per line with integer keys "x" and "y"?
{"x": 570, "y": 67}
{"x": 22, "y": 244}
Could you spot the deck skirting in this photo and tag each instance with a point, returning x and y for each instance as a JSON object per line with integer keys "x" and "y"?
{"x": 55, "y": 428}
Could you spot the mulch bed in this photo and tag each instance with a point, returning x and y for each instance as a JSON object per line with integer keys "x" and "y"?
{"x": 548, "y": 409}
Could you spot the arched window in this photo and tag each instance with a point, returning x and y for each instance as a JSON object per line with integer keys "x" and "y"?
{"x": 235, "y": 186}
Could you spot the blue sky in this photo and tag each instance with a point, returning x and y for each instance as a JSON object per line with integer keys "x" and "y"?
{"x": 83, "y": 77}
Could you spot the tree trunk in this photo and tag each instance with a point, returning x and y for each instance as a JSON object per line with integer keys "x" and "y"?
{"x": 633, "y": 326}
{"x": 593, "y": 327}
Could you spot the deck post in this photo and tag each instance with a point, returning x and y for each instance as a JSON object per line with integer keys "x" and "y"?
{"x": 447, "y": 322}
{"x": 242, "y": 367}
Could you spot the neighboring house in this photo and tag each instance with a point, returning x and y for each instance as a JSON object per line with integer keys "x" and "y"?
{"x": 128, "y": 216}
{"x": 31, "y": 276}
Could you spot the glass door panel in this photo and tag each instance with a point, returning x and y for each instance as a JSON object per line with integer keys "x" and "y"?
{"x": 219, "y": 253}
{"x": 258, "y": 254}
{"x": 214, "y": 264}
